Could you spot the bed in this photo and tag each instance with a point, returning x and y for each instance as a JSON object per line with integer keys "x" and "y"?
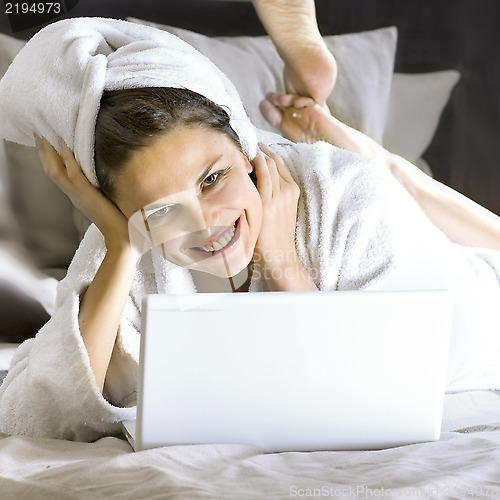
{"x": 464, "y": 463}
{"x": 406, "y": 97}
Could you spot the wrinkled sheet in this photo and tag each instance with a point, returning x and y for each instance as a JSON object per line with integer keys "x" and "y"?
{"x": 465, "y": 463}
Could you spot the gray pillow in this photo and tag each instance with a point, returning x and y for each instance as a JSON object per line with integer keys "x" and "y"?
{"x": 21, "y": 316}
{"x": 8, "y": 226}
{"x": 415, "y": 107}
{"x": 361, "y": 94}
{"x": 42, "y": 212}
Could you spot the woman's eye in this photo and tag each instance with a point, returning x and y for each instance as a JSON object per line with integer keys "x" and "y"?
{"x": 212, "y": 179}
{"x": 159, "y": 213}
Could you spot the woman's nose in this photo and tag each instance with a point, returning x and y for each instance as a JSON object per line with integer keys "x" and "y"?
{"x": 192, "y": 218}
{"x": 211, "y": 213}
{"x": 197, "y": 215}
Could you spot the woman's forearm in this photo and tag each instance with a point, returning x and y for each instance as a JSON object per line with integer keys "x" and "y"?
{"x": 102, "y": 307}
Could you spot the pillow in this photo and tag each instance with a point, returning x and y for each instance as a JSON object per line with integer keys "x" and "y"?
{"x": 8, "y": 226}
{"x": 43, "y": 212}
{"x": 27, "y": 296}
{"x": 415, "y": 107}
{"x": 361, "y": 94}
{"x": 22, "y": 316}
{"x": 8, "y": 229}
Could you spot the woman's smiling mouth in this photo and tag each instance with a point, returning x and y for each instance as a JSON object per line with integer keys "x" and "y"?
{"x": 225, "y": 240}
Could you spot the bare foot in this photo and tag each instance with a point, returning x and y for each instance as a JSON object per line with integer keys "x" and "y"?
{"x": 310, "y": 71}
{"x": 301, "y": 119}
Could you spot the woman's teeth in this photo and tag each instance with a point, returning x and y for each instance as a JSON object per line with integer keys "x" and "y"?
{"x": 221, "y": 242}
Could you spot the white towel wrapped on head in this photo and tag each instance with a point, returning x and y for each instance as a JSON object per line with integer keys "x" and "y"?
{"x": 54, "y": 85}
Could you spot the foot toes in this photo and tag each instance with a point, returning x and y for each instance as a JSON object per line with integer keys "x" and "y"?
{"x": 271, "y": 113}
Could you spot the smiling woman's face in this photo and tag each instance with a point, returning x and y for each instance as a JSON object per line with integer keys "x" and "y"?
{"x": 192, "y": 189}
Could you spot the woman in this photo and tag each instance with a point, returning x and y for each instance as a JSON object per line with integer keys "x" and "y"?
{"x": 211, "y": 217}
{"x": 173, "y": 164}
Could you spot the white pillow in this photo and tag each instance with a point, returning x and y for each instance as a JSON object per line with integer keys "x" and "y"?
{"x": 43, "y": 213}
{"x": 416, "y": 104}
{"x": 361, "y": 94}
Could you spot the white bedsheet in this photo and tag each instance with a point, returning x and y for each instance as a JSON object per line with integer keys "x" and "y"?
{"x": 465, "y": 463}
{"x": 462, "y": 464}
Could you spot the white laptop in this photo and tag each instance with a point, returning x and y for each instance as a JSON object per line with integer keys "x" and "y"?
{"x": 292, "y": 371}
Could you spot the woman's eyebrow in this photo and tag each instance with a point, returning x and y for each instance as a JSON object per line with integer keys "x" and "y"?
{"x": 207, "y": 169}
{"x": 157, "y": 205}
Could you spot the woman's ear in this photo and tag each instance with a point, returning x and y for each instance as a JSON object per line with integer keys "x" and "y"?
{"x": 253, "y": 176}
{"x": 248, "y": 165}
{"x": 250, "y": 170}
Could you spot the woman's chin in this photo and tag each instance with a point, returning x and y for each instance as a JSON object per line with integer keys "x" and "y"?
{"x": 222, "y": 271}
{"x": 223, "y": 268}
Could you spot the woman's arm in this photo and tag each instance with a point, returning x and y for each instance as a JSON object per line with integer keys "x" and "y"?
{"x": 101, "y": 308}
{"x": 102, "y": 304}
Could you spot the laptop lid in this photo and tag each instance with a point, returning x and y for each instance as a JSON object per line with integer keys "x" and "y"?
{"x": 293, "y": 370}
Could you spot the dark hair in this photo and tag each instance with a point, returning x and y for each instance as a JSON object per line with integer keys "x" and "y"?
{"x": 131, "y": 119}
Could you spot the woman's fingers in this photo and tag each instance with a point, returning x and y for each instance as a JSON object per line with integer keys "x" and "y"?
{"x": 62, "y": 168}
{"x": 73, "y": 169}
{"x": 264, "y": 182}
{"x": 278, "y": 165}
{"x": 65, "y": 172}
{"x": 53, "y": 165}
{"x": 272, "y": 169}
{"x": 274, "y": 180}
{"x": 271, "y": 113}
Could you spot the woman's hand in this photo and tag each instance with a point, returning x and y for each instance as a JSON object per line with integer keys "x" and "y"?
{"x": 102, "y": 304}
{"x": 275, "y": 249}
{"x": 65, "y": 172}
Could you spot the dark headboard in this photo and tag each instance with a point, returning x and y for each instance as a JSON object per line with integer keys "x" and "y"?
{"x": 433, "y": 35}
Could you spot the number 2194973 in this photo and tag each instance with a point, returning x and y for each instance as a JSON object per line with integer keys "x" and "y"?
{"x": 33, "y": 8}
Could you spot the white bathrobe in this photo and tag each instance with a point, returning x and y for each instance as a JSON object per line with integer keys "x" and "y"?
{"x": 356, "y": 229}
